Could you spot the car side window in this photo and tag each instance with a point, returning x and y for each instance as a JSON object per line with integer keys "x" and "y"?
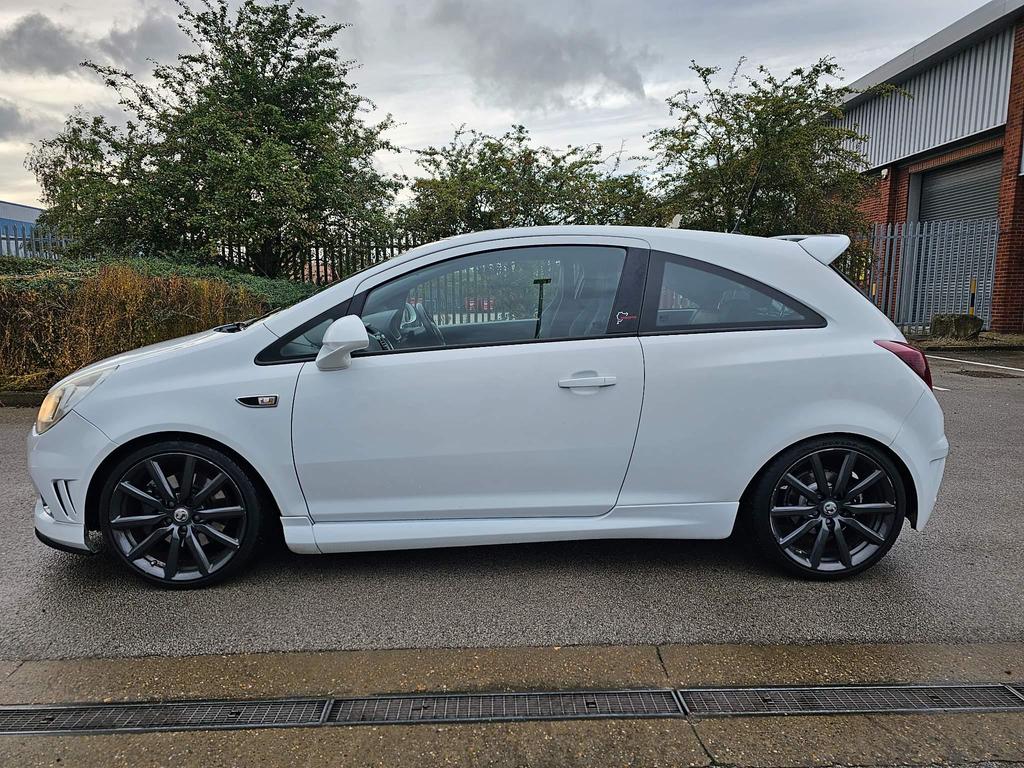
{"x": 503, "y": 296}
{"x": 687, "y": 295}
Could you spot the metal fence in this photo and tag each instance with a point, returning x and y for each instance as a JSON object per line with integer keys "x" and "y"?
{"x": 327, "y": 261}
{"x": 923, "y": 268}
{"x": 29, "y": 240}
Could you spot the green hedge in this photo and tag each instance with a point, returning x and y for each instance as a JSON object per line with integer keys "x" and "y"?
{"x": 56, "y": 316}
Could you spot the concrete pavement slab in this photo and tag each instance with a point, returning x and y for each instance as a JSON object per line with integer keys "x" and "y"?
{"x": 339, "y": 673}
{"x": 649, "y": 743}
{"x": 773, "y": 742}
{"x": 7, "y": 669}
{"x": 700, "y": 665}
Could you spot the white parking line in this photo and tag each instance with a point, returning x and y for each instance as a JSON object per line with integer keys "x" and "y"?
{"x": 940, "y": 389}
{"x": 972, "y": 362}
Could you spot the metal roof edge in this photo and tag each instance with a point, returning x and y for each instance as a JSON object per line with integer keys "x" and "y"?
{"x": 962, "y": 33}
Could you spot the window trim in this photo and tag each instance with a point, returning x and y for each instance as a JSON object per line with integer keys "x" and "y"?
{"x": 628, "y": 298}
{"x": 652, "y": 298}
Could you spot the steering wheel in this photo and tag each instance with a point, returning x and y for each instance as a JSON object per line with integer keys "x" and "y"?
{"x": 431, "y": 334}
{"x": 429, "y": 326}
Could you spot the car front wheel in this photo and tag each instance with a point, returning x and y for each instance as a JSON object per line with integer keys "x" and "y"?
{"x": 180, "y": 514}
{"x": 828, "y": 508}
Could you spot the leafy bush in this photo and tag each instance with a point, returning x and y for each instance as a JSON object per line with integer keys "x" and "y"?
{"x": 56, "y": 317}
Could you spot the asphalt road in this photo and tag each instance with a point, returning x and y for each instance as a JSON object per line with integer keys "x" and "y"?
{"x": 960, "y": 580}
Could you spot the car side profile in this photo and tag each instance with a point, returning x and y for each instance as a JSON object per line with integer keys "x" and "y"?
{"x": 521, "y": 385}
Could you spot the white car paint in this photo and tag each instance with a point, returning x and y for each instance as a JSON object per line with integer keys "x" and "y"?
{"x": 481, "y": 445}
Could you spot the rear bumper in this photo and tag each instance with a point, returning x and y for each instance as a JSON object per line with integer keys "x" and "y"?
{"x": 923, "y": 447}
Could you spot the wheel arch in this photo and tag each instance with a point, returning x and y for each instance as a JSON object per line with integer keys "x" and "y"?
{"x": 92, "y": 498}
{"x": 904, "y": 470}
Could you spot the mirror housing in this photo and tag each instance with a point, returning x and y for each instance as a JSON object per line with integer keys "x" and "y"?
{"x": 343, "y": 337}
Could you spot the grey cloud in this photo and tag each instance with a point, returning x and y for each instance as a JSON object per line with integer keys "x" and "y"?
{"x": 156, "y": 37}
{"x": 518, "y": 61}
{"x": 36, "y": 45}
{"x": 13, "y": 123}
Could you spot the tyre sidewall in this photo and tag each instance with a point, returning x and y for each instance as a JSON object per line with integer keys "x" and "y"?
{"x": 758, "y": 505}
{"x": 249, "y": 491}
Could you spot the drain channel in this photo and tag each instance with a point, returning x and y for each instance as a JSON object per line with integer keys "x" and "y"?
{"x": 505, "y": 706}
{"x": 491, "y": 707}
{"x": 171, "y": 716}
{"x": 850, "y": 699}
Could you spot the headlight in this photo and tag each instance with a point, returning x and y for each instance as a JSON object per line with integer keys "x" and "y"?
{"x": 66, "y": 395}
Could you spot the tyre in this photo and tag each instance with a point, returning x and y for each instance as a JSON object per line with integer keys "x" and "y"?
{"x": 827, "y": 508}
{"x": 181, "y": 514}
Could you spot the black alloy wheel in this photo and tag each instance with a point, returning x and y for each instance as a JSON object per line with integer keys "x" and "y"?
{"x": 181, "y": 514}
{"x": 829, "y": 508}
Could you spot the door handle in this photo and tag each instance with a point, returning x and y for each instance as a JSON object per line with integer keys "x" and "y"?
{"x": 587, "y": 381}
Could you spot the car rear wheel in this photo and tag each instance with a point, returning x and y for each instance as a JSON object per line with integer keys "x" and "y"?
{"x": 828, "y": 508}
{"x": 181, "y": 514}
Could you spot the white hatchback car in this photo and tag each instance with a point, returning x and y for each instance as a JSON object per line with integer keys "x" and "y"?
{"x": 511, "y": 386}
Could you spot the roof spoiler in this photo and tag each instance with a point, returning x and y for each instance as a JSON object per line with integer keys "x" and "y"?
{"x": 824, "y": 248}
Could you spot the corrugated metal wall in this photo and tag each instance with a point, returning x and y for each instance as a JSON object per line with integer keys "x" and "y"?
{"x": 958, "y": 97}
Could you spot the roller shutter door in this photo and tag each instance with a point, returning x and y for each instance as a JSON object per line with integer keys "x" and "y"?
{"x": 965, "y": 191}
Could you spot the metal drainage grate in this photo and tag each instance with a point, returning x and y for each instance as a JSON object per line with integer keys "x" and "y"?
{"x": 173, "y": 716}
{"x": 504, "y": 706}
{"x": 559, "y": 705}
{"x": 849, "y": 699}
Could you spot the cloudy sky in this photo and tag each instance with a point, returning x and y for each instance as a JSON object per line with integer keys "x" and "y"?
{"x": 574, "y": 71}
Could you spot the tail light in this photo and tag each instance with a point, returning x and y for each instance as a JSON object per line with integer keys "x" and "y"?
{"x": 912, "y": 356}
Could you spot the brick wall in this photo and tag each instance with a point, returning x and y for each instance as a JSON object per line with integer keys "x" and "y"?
{"x": 877, "y": 203}
{"x": 1008, "y": 288}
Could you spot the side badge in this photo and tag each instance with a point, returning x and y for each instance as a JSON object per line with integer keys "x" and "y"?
{"x": 621, "y": 317}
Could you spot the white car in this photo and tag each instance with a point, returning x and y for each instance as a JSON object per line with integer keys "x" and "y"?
{"x": 520, "y": 385}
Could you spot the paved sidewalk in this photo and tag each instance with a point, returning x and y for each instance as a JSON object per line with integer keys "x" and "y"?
{"x": 861, "y": 740}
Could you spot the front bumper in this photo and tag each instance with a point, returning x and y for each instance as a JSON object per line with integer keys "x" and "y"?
{"x": 61, "y": 462}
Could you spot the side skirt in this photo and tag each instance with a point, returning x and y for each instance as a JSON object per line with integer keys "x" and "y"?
{"x": 659, "y": 521}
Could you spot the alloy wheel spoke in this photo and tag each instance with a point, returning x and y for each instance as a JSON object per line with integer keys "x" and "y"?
{"x": 806, "y": 491}
{"x": 863, "y": 485}
{"x": 863, "y": 530}
{"x": 819, "y": 546}
{"x": 171, "y": 566}
{"x": 197, "y": 552}
{"x": 136, "y": 521}
{"x": 219, "y": 513}
{"x": 188, "y": 476}
{"x": 162, "y": 485}
{"x": 139, "y": 495}
{"x": 218, "y": 536}
{"x": 147, "y": 543}
{"x": 881, "y": 506}
{"x": 209, "y": 489}
{"x": 820, "y": 479}
{"x": 787, "y": 540}
{"x": 792, "y": 511}
{"x": 845, "y": 470}
{"x": 841, "y": 545}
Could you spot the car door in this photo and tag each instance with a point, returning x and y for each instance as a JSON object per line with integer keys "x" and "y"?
{"x": 513, "y": 389}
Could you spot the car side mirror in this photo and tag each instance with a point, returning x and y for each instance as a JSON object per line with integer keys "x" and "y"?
{"x": 343, "y": 337}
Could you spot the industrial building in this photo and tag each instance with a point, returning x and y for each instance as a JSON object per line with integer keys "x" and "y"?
{"x": 948, "y": 199}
